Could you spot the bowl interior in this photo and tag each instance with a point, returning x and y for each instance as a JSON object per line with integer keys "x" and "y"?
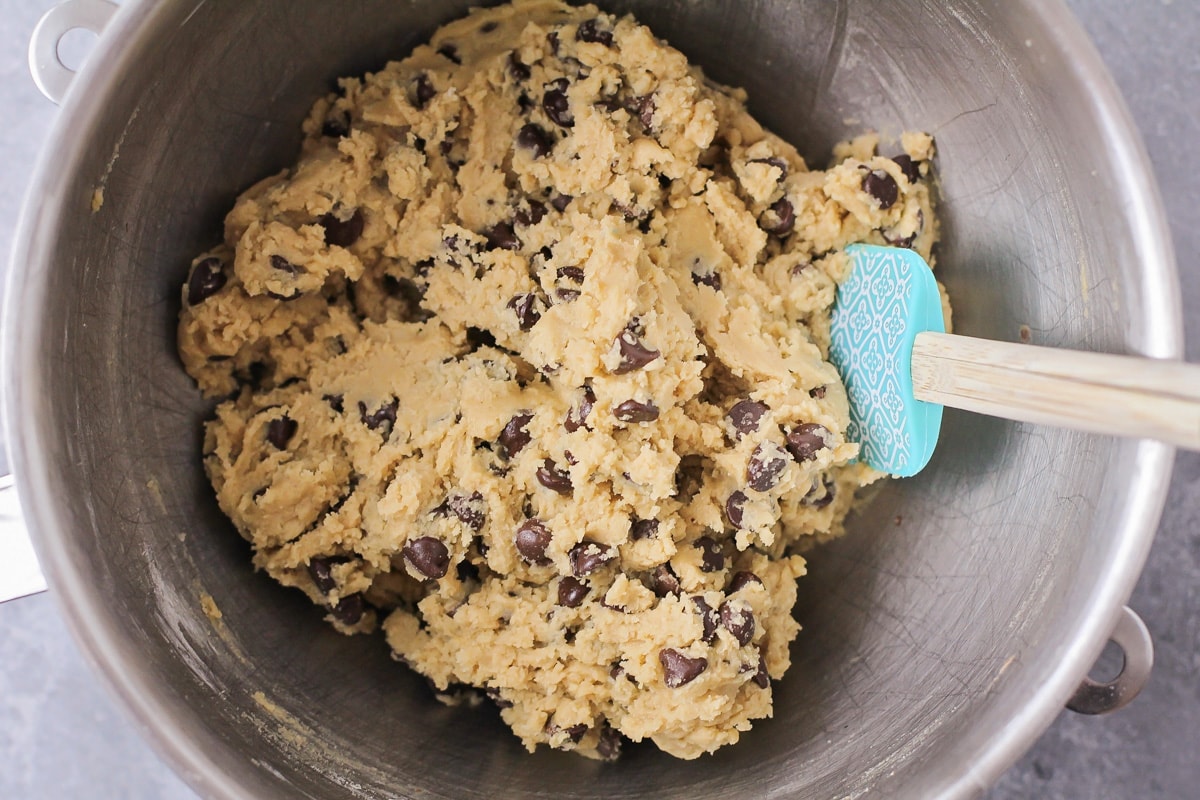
{"x": 956, "y": 597}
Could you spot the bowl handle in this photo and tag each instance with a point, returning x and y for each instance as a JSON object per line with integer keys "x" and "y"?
{"x": 51, "y": 75}
{"x": 1131, "y": 635}
{"x": 19, "y": 571}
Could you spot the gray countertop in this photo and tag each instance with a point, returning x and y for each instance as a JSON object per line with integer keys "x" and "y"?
{"x": 61, "y": 735}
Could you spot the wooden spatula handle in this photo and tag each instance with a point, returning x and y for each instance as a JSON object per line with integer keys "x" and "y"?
{"x": 1114, "y": 395}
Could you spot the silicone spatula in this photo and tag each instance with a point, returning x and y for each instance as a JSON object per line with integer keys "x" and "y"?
{"x": 900, "y": 368}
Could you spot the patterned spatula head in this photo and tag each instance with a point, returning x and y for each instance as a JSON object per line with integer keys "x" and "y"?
{"x": 889, "y": 298}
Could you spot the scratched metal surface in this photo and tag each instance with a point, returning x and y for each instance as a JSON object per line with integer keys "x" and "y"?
{"x": 60, "y": 735}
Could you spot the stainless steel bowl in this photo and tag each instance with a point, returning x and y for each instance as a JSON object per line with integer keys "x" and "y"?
{"x": 941, "y": 635}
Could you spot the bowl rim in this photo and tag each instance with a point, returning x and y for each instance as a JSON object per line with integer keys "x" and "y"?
{"x": 147, "y": 701}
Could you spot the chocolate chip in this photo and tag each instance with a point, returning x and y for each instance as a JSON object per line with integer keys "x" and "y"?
{"x": 817, "y": 392}
{"x": 588, "y": 556}
{"x": 532, "y": 540}
{"x": 644, "y": 108}
{"x": 208, "y": 278}
{"x": 557, "y": 106}
{"x": 608, "y": 747}
{"x": 806, "y": 439}
{"x": 577, "y": 417}
{"x": 774, "y": 161}
{"x": 560, "y": 202}
{"x": 535, "y": 138}
{"x": 710, "y": 279}
{"x": 552, "y": 41}
{"x": 633, "y": 411}
{"x": 553, "y": 478}
{"x": 734, "y": 508}
{"x": 450, "y": 52}
{"x": 746, "y": 415}
{"x": 571, "y": 592}
{"x": 611, "y": 104}
{"x": 573, "y": 274}
{"x": 708, "y": 619}
{"x": 523, "y": 306}
{"x": 386, "y": 413}
{"x": 573, "y": 734}
{"x": 321, "y": 574}
{"x": 766, "y": 465}
{"x": 712, "y": 558}
{"x": 634, "y": 354}
{"x": 428, "y": 555}
{"x": 643, "y": 529}
{"x": 590, "y": 31}
{"x": 460, "y": 246}
{"x": 780, "y": 218}
{"x": 821, "y": 494}
{"x": 679, "y": 669}
{"x": 882, "y": 187}
{"x": 280, "y": 431}
{"x": 514, "y": 437}
{"x": 349, "y": 609}
{"x": 761, "y": 678}
{"x": 519, "y": 71}
{"x": 738, "y": 621}
{"x": 423, "y": 91}
{"x": 470, "y": 509}
{"x": 663, "y": 581}
{"x": 502, "y": 237}
{"x": 283, "y": 265}
{"x": 342, "y": 233}
{"x": 535, "y": 214}
{"x": 910, "y": 168}
{"x": 741, "y": 580}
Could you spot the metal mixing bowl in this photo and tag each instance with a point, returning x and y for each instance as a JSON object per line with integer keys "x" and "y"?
{"x": 941, "y": 635}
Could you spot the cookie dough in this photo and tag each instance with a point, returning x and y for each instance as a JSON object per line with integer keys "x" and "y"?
{"x": 524, "y": 362}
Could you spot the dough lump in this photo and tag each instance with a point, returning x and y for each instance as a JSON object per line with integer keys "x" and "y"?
{"x": 525, "y": 363}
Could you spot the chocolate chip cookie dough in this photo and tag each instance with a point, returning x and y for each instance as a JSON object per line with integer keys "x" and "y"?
{"x": 524, "y": 362}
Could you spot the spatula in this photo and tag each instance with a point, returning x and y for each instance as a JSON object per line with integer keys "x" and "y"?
{"x": 900, "y": 368}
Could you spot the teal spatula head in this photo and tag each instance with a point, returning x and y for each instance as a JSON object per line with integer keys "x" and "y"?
{"x": 889, "y": 298}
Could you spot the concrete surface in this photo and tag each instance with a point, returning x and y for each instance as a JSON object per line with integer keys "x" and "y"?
{"x": 62, "y": 736}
